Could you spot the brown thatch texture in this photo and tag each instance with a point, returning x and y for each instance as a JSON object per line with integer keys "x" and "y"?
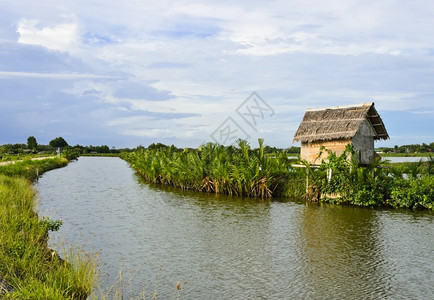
{"x": 338, "y": 123}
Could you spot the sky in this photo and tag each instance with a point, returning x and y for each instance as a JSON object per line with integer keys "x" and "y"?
{"x": 129, "y": 73}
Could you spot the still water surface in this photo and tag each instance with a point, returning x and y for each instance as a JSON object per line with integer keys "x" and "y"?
{"x": 231, "y": 248}
{"x": 401, "y": 159}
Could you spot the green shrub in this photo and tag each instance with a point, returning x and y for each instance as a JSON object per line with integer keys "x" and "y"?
{"x": 408, "y": 185}
{"x": 413, "y": 193}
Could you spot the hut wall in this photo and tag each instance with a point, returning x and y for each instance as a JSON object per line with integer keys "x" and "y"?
{"x": 310, "y": 151}
{"x": 363, "y": 143}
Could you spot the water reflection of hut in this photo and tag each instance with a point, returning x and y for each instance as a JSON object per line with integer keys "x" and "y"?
{"x": 336, "y": 127}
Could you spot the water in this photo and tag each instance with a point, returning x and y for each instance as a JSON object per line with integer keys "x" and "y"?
{"x": 401, "y": 159}
{"x": 230, "y": 248}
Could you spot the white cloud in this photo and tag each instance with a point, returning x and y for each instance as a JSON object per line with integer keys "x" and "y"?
{"x": 202, "y": 59}
{"x": 63, "y": 36}
{"x": 64, "y": 76}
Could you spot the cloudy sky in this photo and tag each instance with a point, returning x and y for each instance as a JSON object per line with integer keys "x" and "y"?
{"x": 128, "y": 73}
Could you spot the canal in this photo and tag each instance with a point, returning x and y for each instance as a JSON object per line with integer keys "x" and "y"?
{"x": 223, "y": 247}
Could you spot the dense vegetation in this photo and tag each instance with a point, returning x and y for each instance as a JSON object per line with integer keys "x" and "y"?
{"x": 342, "y": 180}
{"x": 243, "y": 171}
{"x": 28, "y": 268}
{"x": 239, "y": 171}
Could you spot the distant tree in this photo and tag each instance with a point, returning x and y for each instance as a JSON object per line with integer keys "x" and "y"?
{"x": 31, "y": 143}
{"x": 18, "y": 148}
{"x": 45, "y": 148}
{"x": 6, "y": 149}
{"x": 58, "y": 142}
{"x": 80, "y": 149}
{"x": 424, "y": 147}
{"x": 157, "y": 146}
{"x": 102, "y": 149}
{"x": 293, "y": 150}
{"x": 269, "y": 149}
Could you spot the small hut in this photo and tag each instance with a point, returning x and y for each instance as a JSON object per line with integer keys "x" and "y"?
{"x": 336, "y": 127}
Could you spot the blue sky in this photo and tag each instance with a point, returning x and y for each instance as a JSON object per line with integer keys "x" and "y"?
{"x": 128, "y": 73}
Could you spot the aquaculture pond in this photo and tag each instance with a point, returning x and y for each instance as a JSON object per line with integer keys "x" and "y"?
{"x": 397, "y": 159}
{"x": 220, "y": 247}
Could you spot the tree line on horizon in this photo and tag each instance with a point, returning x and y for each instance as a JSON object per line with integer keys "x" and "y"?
{"x": 32, "y": 146}
{"x": 413, "y": 148}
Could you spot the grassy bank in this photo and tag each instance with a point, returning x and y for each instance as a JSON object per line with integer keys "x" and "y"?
{"x": 14, "y": 157}
{"x": 28, "y": 268}
{"x": 30, "y": 169}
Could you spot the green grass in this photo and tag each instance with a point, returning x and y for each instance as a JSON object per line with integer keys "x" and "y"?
{"x": 27, "y": 265}
{"x": 29, "y": 169}
{"x": 24, "y": 156}
{"x": 28, "y": 268}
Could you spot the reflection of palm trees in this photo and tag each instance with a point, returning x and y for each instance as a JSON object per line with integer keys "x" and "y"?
{"x": 341, "y": 257}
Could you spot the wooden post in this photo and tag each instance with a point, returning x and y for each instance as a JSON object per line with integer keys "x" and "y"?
{"x": 307, "y": 173}
{"x": 329, "y": 174}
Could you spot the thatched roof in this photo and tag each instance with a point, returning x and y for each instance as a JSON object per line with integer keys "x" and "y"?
{"x": 339, "y": 122}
